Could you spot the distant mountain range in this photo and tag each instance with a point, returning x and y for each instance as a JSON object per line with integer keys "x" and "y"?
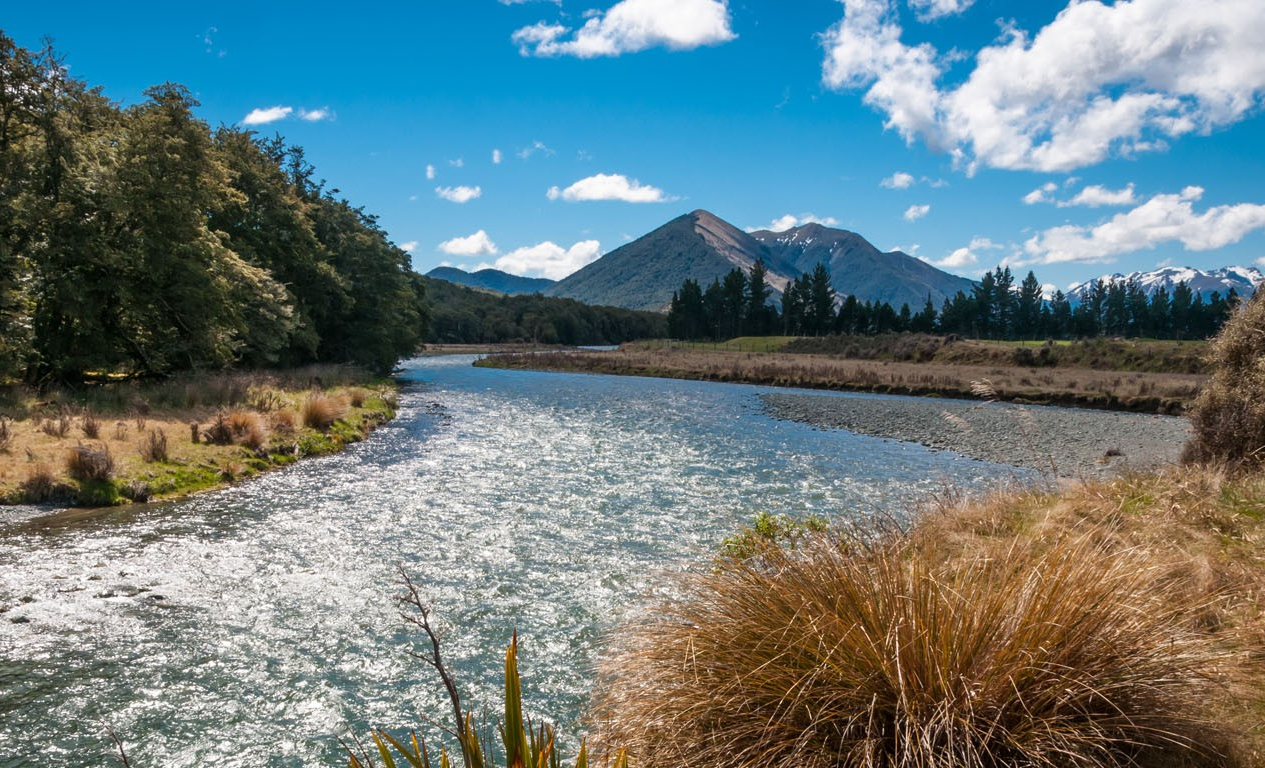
{"x": 492, "y": 280}
{"x": 701, "y": 246}
{"x": 1242, "y": 279}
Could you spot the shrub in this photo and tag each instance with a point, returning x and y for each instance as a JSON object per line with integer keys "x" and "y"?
{"x": 58, "y": 427}
{"x": 1228, "y": 417}
{"x": 248, "y": 428}
{"x": 86, "y": 464}
{"x": 154, "y": 446}
{"x": 836, "y": 654}
{"x": 90, "y": 425}
{"x": 321, "y": 411}
{"x": 219, "y": 432}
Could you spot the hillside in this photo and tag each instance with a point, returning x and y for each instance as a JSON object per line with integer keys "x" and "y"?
{"x": 859, "y": 269}
{"x": 644, "y": 273}
{"x": 1204, "y": 282}
{"x": 492, "y": 280}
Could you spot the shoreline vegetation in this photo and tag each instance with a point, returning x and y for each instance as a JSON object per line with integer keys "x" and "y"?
{"x": 1136, "y": 376}
{"x": 126, "y": 442}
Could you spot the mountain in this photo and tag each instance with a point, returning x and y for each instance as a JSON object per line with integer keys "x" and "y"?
{"x": 492, "y": 280}
{"x": 643, "y": 274}
{"x": 1242, "y": 279}
{"x": 858, "y": 268}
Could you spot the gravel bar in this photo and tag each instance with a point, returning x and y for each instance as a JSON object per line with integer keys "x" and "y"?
{"x": 1066, "y": 442}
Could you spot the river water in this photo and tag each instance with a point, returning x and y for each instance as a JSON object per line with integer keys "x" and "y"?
{"x": 255, "y": 626}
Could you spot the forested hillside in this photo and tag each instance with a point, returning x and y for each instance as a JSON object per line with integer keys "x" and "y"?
{"x": 468, "y": 316}
{"x": 139, "y": 241}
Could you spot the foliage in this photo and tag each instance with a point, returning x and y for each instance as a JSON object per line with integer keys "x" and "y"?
{"x": 1228, "y": 418}
{"x": 137, "y": 242}
{"x": 881, "y": 653}
{"x": 468, "y": 316}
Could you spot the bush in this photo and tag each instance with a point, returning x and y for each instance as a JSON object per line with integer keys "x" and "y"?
{"x": 1228, "y": 417}
{"x": 321, "y": 411}
{"x": 87, "y": 464}
{"x": 90, "y": 425}
{"x": 835, "y": 654}
{"x": 154, "y": 447}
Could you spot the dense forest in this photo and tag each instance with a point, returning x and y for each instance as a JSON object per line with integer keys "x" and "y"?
{"x": 995, "y": 309}
{"x": 465, "y": 315}
{"x": 139, "y": 241}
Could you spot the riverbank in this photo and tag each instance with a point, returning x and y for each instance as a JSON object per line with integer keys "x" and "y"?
{"x": 1134, "y": 391}
{"x": 1061, "y": 442}
{"x": 122, "y": 442}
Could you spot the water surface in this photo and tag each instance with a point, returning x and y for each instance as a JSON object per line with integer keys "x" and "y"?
{"x": 254, "y": 626}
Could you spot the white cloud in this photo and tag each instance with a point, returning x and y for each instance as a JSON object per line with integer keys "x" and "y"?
{"x": 930, "y": 10}
{"x": 1261, "y": 261}
{"x": 1100, "y": 80}
{"x": 783, "y": 223}
{"x": 630, "y": 26}
{"x": 496, "y": 157}
{"x": 458, "y": 194}
{"x": 409, "y": 247}
{"x": 898, "y": 180}
{"x": 1041, "y": 194}
{"x": 430, "y": 172}
{"x": 266, "y": 115}
{"x": 967, "y": 256}
{"x": 316, "y": 115}
{"x": 916, "y": 212}
{"x": 1096, "y": 195}
{"x": 613, "y": 186}
{"x": 1161, "y": 219}
{"x": 478, "y": 244}
{"x": 458, "y": 163}
{"x": 549, "y": 260}
{"x": 536, "y": 146}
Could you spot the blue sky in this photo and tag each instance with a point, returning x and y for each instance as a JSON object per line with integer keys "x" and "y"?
{"x": 536, "y": 135}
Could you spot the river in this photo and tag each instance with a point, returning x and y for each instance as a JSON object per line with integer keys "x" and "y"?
{"x": 254, "y": 626}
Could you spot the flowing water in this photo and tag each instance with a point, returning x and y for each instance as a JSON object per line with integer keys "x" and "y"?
{"x": 255, "y": 626}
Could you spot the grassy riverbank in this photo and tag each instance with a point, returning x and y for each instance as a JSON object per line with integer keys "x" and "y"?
{"x": 121, "y": 442}
{"x": 1128, "y": 390}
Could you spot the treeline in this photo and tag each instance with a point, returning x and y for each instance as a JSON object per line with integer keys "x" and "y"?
{"x": 462, "y": 315}
{"x": 738, "y": 305}
{"x": 138, "y": 241}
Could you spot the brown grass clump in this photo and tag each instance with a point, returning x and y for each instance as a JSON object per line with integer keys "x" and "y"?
{"x": 91, "y": 425}
{"x": 320, "y": 411}
{"x": 85, "y": 463}
{"x": 1229, "y": 415}
{"x": 58, "y": 427}
{"x": 836, "y": 654}
{"x": 249, "y": 429}
{"x": 153, "y": 448}
{"x": 283, "y": 422}
{"x": 6, "y": 434}
{"x": 39, "y": 483}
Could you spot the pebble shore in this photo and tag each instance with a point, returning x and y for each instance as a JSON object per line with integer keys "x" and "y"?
{"x": 1064, "y": 442}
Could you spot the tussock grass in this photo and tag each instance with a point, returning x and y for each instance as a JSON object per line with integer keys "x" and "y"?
{"x": 1111, "y": 624}
{"x": 91, "y": 425}
{"x": 1229, "y": 416}
{"x": 154, "y": 447}
{"x": 249, "y": 428}
{"x": 320, "y": 411}
{"x": 85, "y": 463}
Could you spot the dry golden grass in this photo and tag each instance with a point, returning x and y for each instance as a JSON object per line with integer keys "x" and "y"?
{"x": 1111, "y": 624}
{"x": 249, "y": 428}
{"x": 320, "y": 410}
{"x": 1229, "y": 416}
{"x": 154, "y": 448}
{"x": 1148, "y": 392}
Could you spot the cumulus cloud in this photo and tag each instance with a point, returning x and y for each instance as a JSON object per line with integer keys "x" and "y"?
{"x": 612, "y": 186}
{"x": 458, "y": 194}
{"x": 409, "y": 247}
{"x": 549, "y": 259}
{"x": 478, "y": 244}
{"x": 783, "y": 223}
{"x": 1041, "y": 194}
{"x": 916, "y": 212}
{"x": 1161, "y": 219}
{"x": 898, "y": 180}
{"x": 316, "y": 115}
{"x": 630, "y": 26}
{"x": 1100, "y": 80}
{"x": 1096, "y": 195}
{"x": 930, "y": 10}
{"x": 966, "y": 256}
{"x": 496, "y": 157}
{"x": 430, "y": 172}
{"x": 265, "y": 115}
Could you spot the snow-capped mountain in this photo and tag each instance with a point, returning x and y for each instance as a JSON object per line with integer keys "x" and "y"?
{"x": 1242, "y": 279}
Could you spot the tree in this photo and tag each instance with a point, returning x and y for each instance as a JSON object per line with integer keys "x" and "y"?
{"x": 759, "y": 318}
{"x": 1028, "y": 308}
{"x": 819, "y": 304}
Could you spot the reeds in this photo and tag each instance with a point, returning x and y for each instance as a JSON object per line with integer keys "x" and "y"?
{"x": 839, "y": 653}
